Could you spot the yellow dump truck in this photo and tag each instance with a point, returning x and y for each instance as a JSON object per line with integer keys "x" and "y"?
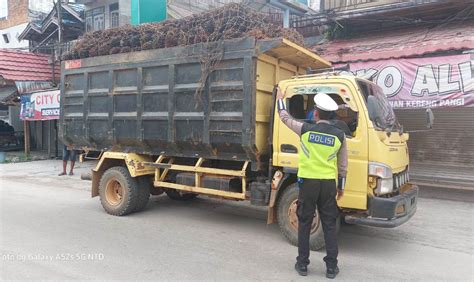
{"x": 169, "y": 125}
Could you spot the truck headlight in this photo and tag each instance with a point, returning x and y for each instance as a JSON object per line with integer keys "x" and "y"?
{"x": 384, "y": 186}
{"x": 384, "y": 177}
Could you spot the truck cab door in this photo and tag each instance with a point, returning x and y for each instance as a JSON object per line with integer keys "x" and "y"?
{"x": 285, "y": 141}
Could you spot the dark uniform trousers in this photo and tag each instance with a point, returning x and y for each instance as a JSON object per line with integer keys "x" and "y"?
{"x": 320, "y": 194}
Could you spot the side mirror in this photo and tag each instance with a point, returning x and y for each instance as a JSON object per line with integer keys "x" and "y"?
{"x": 429, "y": 119}
{"x": 406, "y": 136}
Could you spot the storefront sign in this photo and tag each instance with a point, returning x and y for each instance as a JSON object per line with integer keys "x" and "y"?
{"x": 422, "y": 82}
{"x": 40, "y": 105}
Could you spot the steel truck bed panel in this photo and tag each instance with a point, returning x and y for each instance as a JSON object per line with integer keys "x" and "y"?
{"x": 146, "y": 102}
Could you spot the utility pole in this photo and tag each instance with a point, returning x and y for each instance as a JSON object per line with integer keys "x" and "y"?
{"x": 60, "y": 26}
{"x": 60, "y": 53}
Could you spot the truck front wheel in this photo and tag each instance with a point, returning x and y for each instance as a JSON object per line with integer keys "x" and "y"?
{"x": 118, "y": 191}
{"x": 288, "y": 220}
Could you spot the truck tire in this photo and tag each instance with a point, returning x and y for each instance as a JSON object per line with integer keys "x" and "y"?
{"x": 178, "y": 196}
{"x": 118, "y": 191}
{"x": 288, "y": 221}
{"x": 144, "y": 188}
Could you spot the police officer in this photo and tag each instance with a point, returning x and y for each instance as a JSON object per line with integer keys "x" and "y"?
{"x": 322, "y": 161}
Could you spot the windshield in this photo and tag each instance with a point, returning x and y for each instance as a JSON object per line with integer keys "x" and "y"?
{"x": 380, "y": 110}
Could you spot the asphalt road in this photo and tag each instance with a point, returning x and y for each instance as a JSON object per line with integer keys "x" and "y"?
{"x": 50, "y": 228}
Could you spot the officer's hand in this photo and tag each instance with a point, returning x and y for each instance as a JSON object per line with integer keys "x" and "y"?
{"x": 340, "y": 194}
{"x": 280, "y": 94}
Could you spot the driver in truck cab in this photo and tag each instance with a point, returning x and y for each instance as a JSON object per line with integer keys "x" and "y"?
{"x": 322, "y": 171}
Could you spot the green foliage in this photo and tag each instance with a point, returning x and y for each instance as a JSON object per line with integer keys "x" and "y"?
{"x": 24, "y": 158}
{"x": 18, "y": 159}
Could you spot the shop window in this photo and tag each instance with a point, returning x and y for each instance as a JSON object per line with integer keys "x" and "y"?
{"x": 99, "y": 22}
{"x": 114, "y": 15}
{"x": 95, "y": 19}
{"x": 89, "y": 26}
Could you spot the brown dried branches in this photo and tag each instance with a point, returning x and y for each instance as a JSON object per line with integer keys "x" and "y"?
{"x": 228, "y": 22}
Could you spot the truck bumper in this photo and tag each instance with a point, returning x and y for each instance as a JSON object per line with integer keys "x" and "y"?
{"x": 389, "y": 212}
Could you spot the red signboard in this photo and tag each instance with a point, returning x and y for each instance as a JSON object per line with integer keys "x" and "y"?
{"x": 40, "y": 105}
{"x": 72, "y": 64}
{"x": 434, "y": 82}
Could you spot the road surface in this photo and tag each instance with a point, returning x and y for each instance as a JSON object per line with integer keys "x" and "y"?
{"x": 50, "y": 228}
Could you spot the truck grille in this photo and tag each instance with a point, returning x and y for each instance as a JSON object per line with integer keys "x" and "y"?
{"x": 400, "y": 179}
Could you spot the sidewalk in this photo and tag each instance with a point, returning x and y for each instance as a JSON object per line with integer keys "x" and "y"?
{"x": 46, "y": 172}
{"x": 440, "y": 181}
{"x": 442, "y": 176}
{"x": 19, "y": 156}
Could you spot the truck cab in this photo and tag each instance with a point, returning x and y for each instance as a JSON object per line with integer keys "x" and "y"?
{"x": 378, "y": 191}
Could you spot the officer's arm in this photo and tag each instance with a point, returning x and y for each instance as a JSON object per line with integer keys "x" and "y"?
{"x": 342, "y": 165}
{"x": 292, "y": 123}
{"x": 285, "y": 117}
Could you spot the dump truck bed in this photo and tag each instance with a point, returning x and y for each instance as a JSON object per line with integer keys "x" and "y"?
{"x": 159, "y": 102}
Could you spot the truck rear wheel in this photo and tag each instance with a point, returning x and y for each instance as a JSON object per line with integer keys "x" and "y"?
{"x": 288, "y": 221}
{"x": 118, "y": 191}
{"x": 178, "y": 196}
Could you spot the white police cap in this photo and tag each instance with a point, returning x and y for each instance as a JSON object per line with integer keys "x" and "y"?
{"x": 324, "y": 102}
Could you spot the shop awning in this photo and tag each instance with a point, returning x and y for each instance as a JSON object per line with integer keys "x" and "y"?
{"x": 399, "y": 43}
{"x": 7, "y": 93}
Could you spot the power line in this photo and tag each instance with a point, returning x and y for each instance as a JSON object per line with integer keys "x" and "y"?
{"x": 315, "y": 20}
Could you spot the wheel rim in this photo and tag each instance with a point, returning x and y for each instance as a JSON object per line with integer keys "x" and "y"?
{"x": 294, "y": 218}
{"x": 114, "y": 192}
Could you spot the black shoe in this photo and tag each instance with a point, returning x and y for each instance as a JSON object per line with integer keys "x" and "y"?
{"x": 332, "y": 272}
{"x": 301, "y": 269}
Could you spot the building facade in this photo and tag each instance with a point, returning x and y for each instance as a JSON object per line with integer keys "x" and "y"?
{"x": 15, "y": 16}
{"x": 42, "y": 33}
{"x": 104, "y": 14}
{"x": 13, "y": 19}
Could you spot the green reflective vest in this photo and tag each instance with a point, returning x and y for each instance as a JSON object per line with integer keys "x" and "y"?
{"x": 320, "y": 144}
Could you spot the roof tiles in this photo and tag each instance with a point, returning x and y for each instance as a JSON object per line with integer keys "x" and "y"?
{"x": 24, "y": 66}
{"x": 399, "y": 44}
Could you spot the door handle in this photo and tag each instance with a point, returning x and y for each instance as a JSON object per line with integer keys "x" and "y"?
{"x": 288, "y": 148}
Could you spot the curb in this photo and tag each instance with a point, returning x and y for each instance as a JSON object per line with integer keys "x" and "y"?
{"x": 444, "y": 193}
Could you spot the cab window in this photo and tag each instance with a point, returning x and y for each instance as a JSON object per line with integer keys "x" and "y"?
{"x": 301, "y": 107}
{"x": 379, "y": 109}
